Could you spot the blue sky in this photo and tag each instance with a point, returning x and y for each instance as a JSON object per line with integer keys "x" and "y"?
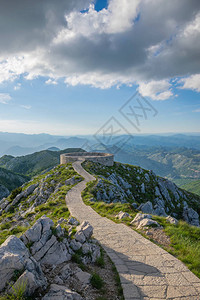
{"x": 74, "y": 87}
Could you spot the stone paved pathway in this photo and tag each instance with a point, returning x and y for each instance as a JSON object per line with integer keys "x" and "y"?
{"x": 146, "y": 271}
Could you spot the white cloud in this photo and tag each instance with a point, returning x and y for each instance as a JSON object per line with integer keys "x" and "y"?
{"x": 196, "y": 110}
{"x": 191, "y": 82}
{"x": 156, "y": 90}
{"x": 17, "y": 87}
{"x": 51, "y": 82}
{"x": 26, "y": 106}
{"x": 4, "y": 98}
{"x": 131, "y": 42}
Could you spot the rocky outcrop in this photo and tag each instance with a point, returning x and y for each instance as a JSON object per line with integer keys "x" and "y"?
{"x": 191, "y": 216}
{"x": 45, "y": 246}
{"x": 121, "y": 215}
{"x": 35, "y": 193}
{"x": 146, "y": 208}
{"x": 145, "y": 191}
{"x": 62, "y": 293}
{"x": 143, "y": 220}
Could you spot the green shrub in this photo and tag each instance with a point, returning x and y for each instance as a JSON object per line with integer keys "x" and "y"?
{"x": 15, "y": 192}
{"x": 100, "y": 260}
{"x": 96, "y": 281}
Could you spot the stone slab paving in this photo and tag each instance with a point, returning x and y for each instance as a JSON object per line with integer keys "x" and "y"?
{"x": 146, "y": 271}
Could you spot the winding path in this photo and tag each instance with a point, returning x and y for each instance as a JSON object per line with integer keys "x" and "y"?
{"x": 146, "y": 271}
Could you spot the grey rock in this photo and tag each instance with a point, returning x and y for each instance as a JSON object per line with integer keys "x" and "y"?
{"x": 39, "y": 250}
{"x": 80, "y": 237}
{"x": 70, "y": 181}
{"x": 83, "y": 277}
{"x": 146, "y": 223}
{"x": 58, "y": 280}
{"x": 73, "y": 221}
{"x": 147, "y": 177}
{"x": 66, "y": 272}
{"x": 146, "y": 208}
{"x": 172, "y": 220}
{"x": 60, "y": 292}
{"x": 163, "y": 189}
{"x": 4, "y": 204}
{"x": 40, "y": 231}
{"x": 13, "y": 256}
{"x": 134, "y": 205}
{"x": 75, "y": 245}
{"x": 59, "y": 231}
{"x": 140, "y": 217}
{"x": 160, "y": 211}
{"x": 86, "y": 248}
{"x": 121, "y": 215}
{"x": 191, "y": 216}
{"x": 143, "y": 188}
{"x": 86, "y": 228}
{"x": 57, "y": 254}
{"x": 33, "y": 278}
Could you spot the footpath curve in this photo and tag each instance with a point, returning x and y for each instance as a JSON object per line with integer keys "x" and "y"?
{"x": 146, "y": 271}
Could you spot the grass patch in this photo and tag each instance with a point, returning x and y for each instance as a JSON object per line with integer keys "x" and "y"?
{"x": 185, "y": 240}
{"x": 100, "y": 260}
{"x": 96, "y": 281}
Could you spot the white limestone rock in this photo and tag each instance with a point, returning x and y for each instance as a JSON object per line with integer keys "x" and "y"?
{"x": 60, "y": 292}
{"x": 121, "y": 215}
{"x": 147, "y": 222}
{"x": 172, "y": 220}
{"x": 83, "y": 277}
{"x": 13, "y": 256}
{"x": 140, "y": 217}
{"x": 86, "y": 229}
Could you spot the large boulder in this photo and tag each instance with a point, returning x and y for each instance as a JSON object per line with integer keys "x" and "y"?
{"x": 147, "y": 222}
{"x": 86, "y": 229}
{"x": 191, "y": 216}
{"x": 32, "y": 278}
{"x": 60, "y": 292}
{"x": 121, "y": 215}
{"x": 39, "y": 233}
{"x": 140, "y": 217}
{"x": 13, "y": 256}
{"x": 57, "y": 254}
{"x": 146, "y": 208}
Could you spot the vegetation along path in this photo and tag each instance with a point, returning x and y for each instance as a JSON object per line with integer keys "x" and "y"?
{"x": 146, "y": 271}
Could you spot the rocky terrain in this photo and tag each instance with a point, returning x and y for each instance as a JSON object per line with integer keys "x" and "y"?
{"x": 144, "y": 190}
{"x": 43, "y": 194}
{"x": 45, "y": 252}
{"x": 42, "y": 261}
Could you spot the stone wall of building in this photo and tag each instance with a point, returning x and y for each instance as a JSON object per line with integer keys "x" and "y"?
{"x": 102, "y": 158}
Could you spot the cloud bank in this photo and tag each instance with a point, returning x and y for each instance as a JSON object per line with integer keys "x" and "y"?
{"x": 143, "y": 42}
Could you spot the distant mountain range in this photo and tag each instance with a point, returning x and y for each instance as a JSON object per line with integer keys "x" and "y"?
{"x": 17, "y": 144}
{"x": 176, "y": 157}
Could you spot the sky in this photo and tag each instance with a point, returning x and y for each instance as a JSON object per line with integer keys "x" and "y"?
{"x": 74, "y": 67}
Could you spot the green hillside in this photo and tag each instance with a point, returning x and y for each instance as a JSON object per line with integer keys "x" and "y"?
{"x": 193, "y": 187}
{"x": 33, "y": 164}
